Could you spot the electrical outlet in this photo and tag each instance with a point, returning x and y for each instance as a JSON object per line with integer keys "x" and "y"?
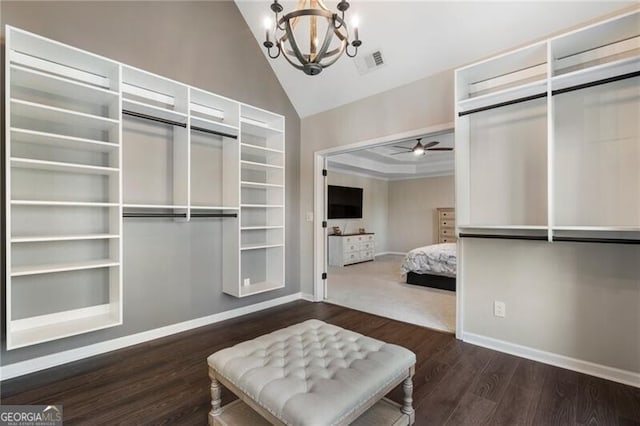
{"x": 247, "y": 281}
{"x": 309, "y": 216}
{"x": 499, "y": 309}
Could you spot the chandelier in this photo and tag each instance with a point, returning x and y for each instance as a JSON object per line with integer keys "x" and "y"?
{"x": 322, "y": 52}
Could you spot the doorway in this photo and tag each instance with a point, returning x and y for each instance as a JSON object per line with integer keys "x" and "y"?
{"x": 401, "y": 192}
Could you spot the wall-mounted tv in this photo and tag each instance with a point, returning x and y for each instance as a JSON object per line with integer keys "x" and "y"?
{"x": 345, "y": 202}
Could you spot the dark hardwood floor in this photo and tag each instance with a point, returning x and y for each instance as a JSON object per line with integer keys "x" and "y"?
{"x": 165, "y": 381}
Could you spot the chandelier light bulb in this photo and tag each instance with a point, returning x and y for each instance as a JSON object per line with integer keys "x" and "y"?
{"x": 354, "y": 23}
{"x": 268, "y": 25}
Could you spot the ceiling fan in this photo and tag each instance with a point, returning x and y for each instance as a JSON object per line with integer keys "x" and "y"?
{"x": 420, "y": 149}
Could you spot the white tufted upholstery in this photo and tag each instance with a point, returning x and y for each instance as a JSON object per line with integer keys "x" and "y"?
{"x": 312, "y": 373}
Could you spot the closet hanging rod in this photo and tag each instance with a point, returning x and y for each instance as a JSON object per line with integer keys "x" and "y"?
{"x": 503, "y": 104}
{"x": 596, "y": 83}
{"x": 597, "y": 240}
{"x": 505, "y": 237}
{"x": 126, "y": 214}
{"x": 176, "y": 215}
{"x": 214, "y": 132}
{"x": 152, "y": 118}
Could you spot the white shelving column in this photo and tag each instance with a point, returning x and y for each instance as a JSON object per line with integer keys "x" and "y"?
{"x": 215, "y": 171}
{"x": 501, "y": 145}
{"x": 155, "y": 134}
{"x": 262, "y": 199}
{"x": 595, "y": 85}
{"x": 63, "y": 189}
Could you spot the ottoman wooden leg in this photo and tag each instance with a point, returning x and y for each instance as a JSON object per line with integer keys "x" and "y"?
{"x": 216, "y": 400}
{"x": 407, "y": 406}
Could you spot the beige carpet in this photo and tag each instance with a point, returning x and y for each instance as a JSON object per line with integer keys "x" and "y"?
{"x": 377, "y": 287}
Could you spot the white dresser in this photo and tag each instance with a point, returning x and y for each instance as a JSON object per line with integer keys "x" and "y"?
{"x": 351, "y": 248}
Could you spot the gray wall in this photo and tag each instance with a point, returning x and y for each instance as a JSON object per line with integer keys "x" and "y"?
{"x": 375, "y": 206}
{"x": 574, "y": 299}
{"x": 168, "y": 272}
{"x": 412, "y": 210}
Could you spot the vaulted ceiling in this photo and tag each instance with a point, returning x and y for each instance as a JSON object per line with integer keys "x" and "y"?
{"x": 418, "y": 39}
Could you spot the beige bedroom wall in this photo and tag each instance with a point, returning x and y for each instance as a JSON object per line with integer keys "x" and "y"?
{"x": 412, "y": 210}
{"x": 375, "y": 206}
{"x": 416, "y": 105}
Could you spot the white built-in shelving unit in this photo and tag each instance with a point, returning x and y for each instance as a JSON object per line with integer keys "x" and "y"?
{"x": 261, "y": 202}
{"x": 548, "y": 141}
{"x": 63, "y": 189}
{"x": 90, "y": 141}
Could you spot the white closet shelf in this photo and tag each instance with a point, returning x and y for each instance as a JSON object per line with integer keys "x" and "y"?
{"x": 259, "y": 287}
{"x": 60, "y": 141}
{"x": 44, "y": 328}
{"x": 213, "y": 125}
{"x": 154, "y": 111}
{"x": 48, "y": 238}
{"x": 62, "y": 203}
{"x": 259, "y": 150}
{"x": 255, "y": 228}
{"x": 154, "y": 206}
{"x": 145, "y": 84}
{"x": 261, "y": 206}
{"x": 505, "y": 95}
{"x": 95, "y": 74}
{"x": 217, "y": 114}
{"x": 260, "y": 246}
{"x": 595, "y": 73}
{"x": 152, "y": 95}
{"x": 55, "y": 166}
{"x": 248, "y": 184}
{"x": 37, "y": 111}
{"x": 18, "y": 271}
{"x": 253, "y": 165}
{"x": 506, "y": 227}
{"x": 44, "y": 82}
{"x": 204, "y": 207}
{"x": 597, "y": 228}
{"x": 260, "y": 130}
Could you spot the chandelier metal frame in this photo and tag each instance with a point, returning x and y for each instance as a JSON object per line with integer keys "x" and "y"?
{"x": 319, "y": 55}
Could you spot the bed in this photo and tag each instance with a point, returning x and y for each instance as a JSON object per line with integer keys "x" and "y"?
{"x": 431, "y": 266}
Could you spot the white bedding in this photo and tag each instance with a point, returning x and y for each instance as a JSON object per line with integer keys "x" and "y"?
{"x": 437, "y": 259}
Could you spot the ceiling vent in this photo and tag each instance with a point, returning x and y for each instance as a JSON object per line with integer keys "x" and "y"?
{"x": 369, "y": 62}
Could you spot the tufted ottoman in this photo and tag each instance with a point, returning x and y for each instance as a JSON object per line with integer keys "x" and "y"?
{"x": 312, "y": 374}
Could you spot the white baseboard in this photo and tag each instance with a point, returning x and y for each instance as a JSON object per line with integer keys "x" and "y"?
{"x": 610, "y": 373}
{"x": 399, "y": 253}
{"x": 21, "y": 368}
{"x": 308, "y": 297}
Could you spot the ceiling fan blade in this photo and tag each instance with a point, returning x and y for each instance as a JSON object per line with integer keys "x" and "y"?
{"x": 440, "y": 149}
{"x": 430, "y": 144}
{"x": 402, "y": 147}
{"x": 403, "y": 152}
